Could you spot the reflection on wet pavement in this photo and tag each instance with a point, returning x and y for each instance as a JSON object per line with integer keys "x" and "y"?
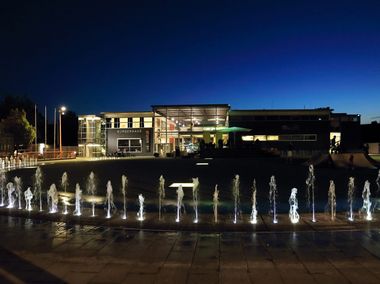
{"x": 55, "y": 252}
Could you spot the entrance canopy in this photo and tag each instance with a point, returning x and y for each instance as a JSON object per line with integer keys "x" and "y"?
{"x": 194, "y": 116}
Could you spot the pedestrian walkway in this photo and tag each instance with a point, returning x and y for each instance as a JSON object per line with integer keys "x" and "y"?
{"x": 55, "y": 252}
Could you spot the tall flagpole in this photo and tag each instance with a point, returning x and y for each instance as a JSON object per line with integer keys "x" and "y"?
{"x": 55, "y": 130}
{"x": 45, "y": 126}
{"x": 35, "y": 126}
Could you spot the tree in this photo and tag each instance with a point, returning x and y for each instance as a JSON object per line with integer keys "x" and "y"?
{"x": 13, "y": 101}
{"x": 19, "y": 127}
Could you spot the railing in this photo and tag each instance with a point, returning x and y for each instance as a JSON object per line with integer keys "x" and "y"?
{"x": 30, "y": 159}
{"x": 17, "y": 162}
{"x": 57, "y": 155}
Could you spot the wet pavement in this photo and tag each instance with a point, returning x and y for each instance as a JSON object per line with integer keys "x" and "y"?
{"x": 44, "y": 251}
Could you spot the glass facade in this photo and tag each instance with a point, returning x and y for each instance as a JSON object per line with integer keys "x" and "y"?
{"x": 185, "y": 128}
{"x": 91, "y": 140}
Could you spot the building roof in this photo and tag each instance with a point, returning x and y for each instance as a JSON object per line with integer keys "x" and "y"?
{"x": 316, "y": 111}
{"x": 126, "y": 114}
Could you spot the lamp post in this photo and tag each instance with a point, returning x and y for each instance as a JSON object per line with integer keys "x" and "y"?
{"x": 61, "y": 112}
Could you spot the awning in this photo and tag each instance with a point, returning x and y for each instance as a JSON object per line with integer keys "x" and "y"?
{"x": 232, "y": 129}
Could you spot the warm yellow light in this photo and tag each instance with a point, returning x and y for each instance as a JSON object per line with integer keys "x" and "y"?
{"x": 272, "y": 138}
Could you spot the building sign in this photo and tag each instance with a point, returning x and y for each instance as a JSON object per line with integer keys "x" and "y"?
{"x": 128, "y": 131}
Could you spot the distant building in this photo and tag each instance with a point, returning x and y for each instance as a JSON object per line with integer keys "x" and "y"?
{"x": 181, "y": 129}
{"x": 371, "y": 137}
{"x": 128, "y": 133}
{"x": 305, "y": 131}
{"x": 91, "y": 140}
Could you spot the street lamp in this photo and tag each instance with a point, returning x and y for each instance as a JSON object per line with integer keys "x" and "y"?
{"x": 62, "y": 110}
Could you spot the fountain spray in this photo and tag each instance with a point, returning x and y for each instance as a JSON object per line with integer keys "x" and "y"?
{"x": 11, "y": 198}
{"x": 65, "y": 185}
{"x": 38, "y": 185}
{"x": 140, "y": 214}
{"x": 253, "y": 218}
{"x": 366, "y": 195}
{"x": 215, "y": 203}
{"x": 28, "y": 194}
{"x": 18, "y": 185}
{"x": 109, "y": 199}
{"x": 91, "y": 190}
{"x": 195, "y": 197}
{"x": 180, "y": 195}
{"x": 331, "y": 204}
{"x": 78, "y": 198}
{"x": 53, "y": 197}
{"x": 236, "y": 195}
{"x": 3, "y": 181}
{"x": 272, "y": 198}
{"x": 161, "y": 194}
{"x": 293, "y": 203}
{"x": 124, "y": 184}
{"x": 351, "y": 191}
{"x": 310, "y": 187}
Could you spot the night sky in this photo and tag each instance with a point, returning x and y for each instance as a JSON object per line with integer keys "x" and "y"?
{"x": 98, "y": 56}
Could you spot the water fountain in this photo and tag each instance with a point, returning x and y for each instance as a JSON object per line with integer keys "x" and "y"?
{"x": 351, "y": 191}
{"x": 195, "y": 197}
{"x": 124, "y": 184}
{"x": 109, "y": 199}
{"x": 272, "y": 198}
{"x": 18, "y": 185}
{"x": 78, "y": 198}
{"x": 236, "y": 195}
{"x": 38, "y": 185}
{"x": 11, "y": 198}
{"x": 253, "y": 218}
{"x": 180, "y": 195}
{"x": 91, "y": 190}
{"x": 293, "y": 203}
{"x": 161, "y": 194}
{"x": 377, "y": 195}
{"x": 310, "y": 186}
{"x": 215, "y": 200}
{"x": 331, "y": 204}
{"x": 53, "y": 198}
{"x": 366, "y": 195}
{"x": 3, "y": 181}
{"x": 65, "y": 185}
{"x": 140, "y": 214}
{"x": 28, "y": 199}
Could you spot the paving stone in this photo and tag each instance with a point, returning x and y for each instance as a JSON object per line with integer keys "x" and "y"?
{"x": 140, "y": 279}
{"x": 264, "y": 275}
{"x": 79, "y": 277}
{"x": 200, "y": 278}
{"x": 111, "y": 273}
{"x": 177, "y": 275}
{"x": 234, "y": 276}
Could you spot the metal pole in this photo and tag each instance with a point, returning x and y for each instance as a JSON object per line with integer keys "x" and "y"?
{"x": 45, "y": 126}
{"x": 60, "y": 134}
{"x": 35, "y": 126}
{"x": 55, "y": 130}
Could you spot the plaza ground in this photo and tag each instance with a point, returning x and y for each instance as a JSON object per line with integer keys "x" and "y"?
{"x": 52, "y": 248}
{"x": 54, "y": 252}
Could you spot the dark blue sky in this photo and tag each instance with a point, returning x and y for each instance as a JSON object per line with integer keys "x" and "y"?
{"x": 127, "y": 55}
